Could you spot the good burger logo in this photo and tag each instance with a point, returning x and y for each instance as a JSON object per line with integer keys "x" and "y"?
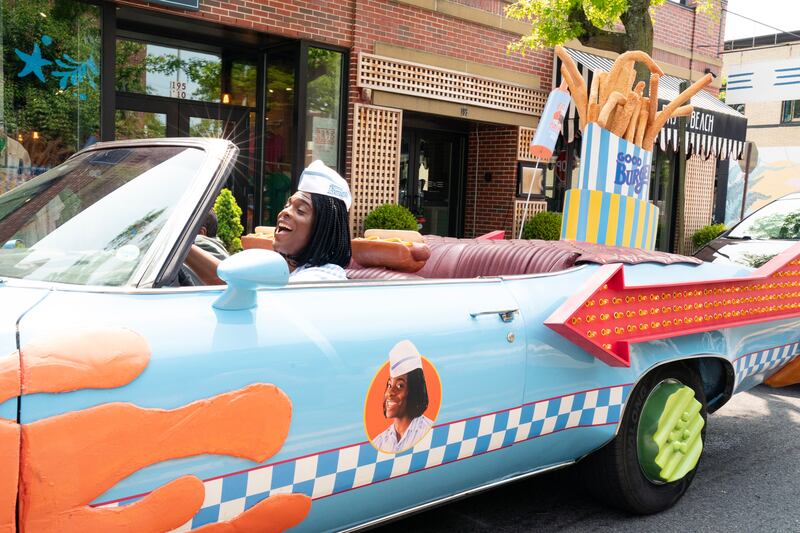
{"x": 631, "y": 171}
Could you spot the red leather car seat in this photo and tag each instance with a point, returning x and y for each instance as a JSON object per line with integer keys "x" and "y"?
{"x": 469, "y": 258}
{"x": 356, "y": 271}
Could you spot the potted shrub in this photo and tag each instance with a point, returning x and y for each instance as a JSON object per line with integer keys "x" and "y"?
{"x": 229, "y": 221}
{"x": 390, "y": 216}
{"x": 545, "y": 226}
{"x": 706, "y": 234}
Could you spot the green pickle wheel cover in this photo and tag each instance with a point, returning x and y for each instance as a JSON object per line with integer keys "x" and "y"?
{"x": 670, "y": 432}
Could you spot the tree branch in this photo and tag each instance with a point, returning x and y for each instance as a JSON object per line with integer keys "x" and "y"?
{"x": 595, "y": 37}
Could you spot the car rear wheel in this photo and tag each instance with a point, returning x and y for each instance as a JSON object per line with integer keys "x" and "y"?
{"x": 653, "y": 459}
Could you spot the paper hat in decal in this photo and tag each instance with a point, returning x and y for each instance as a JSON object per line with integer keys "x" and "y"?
{"x": 404, "y": 358}
{"x": 321, "y": 179}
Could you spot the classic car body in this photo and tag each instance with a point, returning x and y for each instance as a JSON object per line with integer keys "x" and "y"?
{"x": 516, "y": 397}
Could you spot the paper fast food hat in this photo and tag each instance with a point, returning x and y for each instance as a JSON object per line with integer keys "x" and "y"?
{"x": 319, "y": 178}
{"x": 404, "y": 358}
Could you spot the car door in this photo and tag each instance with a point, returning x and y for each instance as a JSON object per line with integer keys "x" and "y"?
{"x": 259, "y": 403}
{"x": 15, "y": 302}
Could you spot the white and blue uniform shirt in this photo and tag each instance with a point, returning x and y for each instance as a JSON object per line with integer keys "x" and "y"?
{"x": 387, "y": 441}
{"x": 326, "y": 272}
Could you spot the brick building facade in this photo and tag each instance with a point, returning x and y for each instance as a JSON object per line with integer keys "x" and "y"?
{"x": 435, "y": 72}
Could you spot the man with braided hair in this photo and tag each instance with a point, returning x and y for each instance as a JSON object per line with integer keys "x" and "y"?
{"x": 312, "y": 230}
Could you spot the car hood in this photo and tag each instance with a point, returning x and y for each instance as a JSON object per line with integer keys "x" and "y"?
{"x": 751, "y": 252}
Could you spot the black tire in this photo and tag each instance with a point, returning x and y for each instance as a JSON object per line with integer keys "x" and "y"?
{"x": 613, "y": 474}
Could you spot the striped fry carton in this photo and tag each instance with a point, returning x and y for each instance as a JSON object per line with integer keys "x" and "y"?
{"x": 610, "y": 203}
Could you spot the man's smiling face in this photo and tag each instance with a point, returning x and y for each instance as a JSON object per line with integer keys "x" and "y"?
{"x": 293, "y": 231}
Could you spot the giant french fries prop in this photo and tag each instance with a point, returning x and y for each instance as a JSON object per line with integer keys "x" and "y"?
{"x": 609, "y": 204}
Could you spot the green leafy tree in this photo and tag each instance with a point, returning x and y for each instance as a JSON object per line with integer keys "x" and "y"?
{"x": 594, "y": 23}
{"x": 229, "y": 221}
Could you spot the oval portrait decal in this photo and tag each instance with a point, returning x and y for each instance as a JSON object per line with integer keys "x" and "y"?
{"x": 403, "y": 400}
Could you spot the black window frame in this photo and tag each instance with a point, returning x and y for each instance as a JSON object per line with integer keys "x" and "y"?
{"x": 792, "y": 106}
{"x": 545, "y": 168}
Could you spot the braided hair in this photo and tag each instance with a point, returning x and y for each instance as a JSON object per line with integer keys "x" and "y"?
{"x": 330, "y": 234}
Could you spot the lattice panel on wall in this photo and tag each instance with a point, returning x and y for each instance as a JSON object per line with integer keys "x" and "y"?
{"x": 524, "y": 143}
{"x": 699, "y": 199}
{"x": 396, "y": 76}
{"x": 375, "y": 162}
{"x": 534, "y": 206}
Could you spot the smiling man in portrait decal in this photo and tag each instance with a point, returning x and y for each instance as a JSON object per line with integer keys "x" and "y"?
{"x": 405, "y": 400}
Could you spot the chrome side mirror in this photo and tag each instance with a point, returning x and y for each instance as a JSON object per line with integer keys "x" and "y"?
{"x": 245, "y": 273}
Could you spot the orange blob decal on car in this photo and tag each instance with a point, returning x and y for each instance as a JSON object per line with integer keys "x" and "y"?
{"x": 98, "y": 359}
{"x": 788, "y": 375}
{"x": 272, "y": 515}
{"x": 9, "y": 466}
{"x": 9, "y": 376}
{"x": 68, "y": 460}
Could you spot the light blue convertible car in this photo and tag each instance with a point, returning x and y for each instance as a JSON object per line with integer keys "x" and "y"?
{"x": 134, "y": 400}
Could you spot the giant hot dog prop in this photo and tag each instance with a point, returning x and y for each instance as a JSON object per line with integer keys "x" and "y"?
{"x": 403, "y": 251}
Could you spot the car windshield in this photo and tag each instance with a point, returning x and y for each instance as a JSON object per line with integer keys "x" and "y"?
{"x": 92, "y": 220}
{"x": 777, "y": 220}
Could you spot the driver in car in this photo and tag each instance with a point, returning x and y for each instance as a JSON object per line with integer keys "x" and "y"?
{"x": 312, "y": 230}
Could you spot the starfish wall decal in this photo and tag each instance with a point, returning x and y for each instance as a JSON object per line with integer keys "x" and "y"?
{"x": 33, "y": 62}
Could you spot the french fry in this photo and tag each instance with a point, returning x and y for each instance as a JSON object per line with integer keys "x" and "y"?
{"x": 594, "y": 93}
{"x": 683, "y": 111}
{"x": 653, "y": 109}
{"x": 631, "y": 78}
{"x": 574, "y": 91}
{"x": 576, "y": 84}
{"x": 641, "y": 126}
{"x": 622, "y": 118}
{"x": 614, "y": 99}
{"x": 639, "y": 89}
{"x": 603, "y": 92}
{"x": 624, "y": 64}
{"x": 667, "y": 112}
{"x": 634, "y": 121}
{"x": 594, "y": 112}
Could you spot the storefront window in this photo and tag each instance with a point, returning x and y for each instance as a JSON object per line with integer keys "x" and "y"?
{"x": 661, "y": 191}
{"x": 280, "y": 133}
{"x": 323, "y": 106}
{"x": 51, "y": 78}
{"x": 146, "y": 68}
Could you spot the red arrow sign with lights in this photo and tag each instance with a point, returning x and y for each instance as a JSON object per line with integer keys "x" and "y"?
{"x": 605, "y": 316}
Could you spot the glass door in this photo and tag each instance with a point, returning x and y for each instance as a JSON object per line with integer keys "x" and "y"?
{"x": 431, "y": 179}
{"x": 169, "y": 91}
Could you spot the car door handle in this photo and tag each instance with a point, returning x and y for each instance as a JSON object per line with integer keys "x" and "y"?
{"x": 506, "y": 315}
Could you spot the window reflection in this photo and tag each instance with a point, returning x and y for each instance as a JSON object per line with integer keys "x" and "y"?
{"x": 146, "y": 68}
{"x": 323, "y": 106}
{"x": 280, "y": 132}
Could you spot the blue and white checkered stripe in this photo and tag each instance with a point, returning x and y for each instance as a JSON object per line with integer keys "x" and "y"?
{"x": 351, "y": 467}
{"x": 758, "y": 364}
